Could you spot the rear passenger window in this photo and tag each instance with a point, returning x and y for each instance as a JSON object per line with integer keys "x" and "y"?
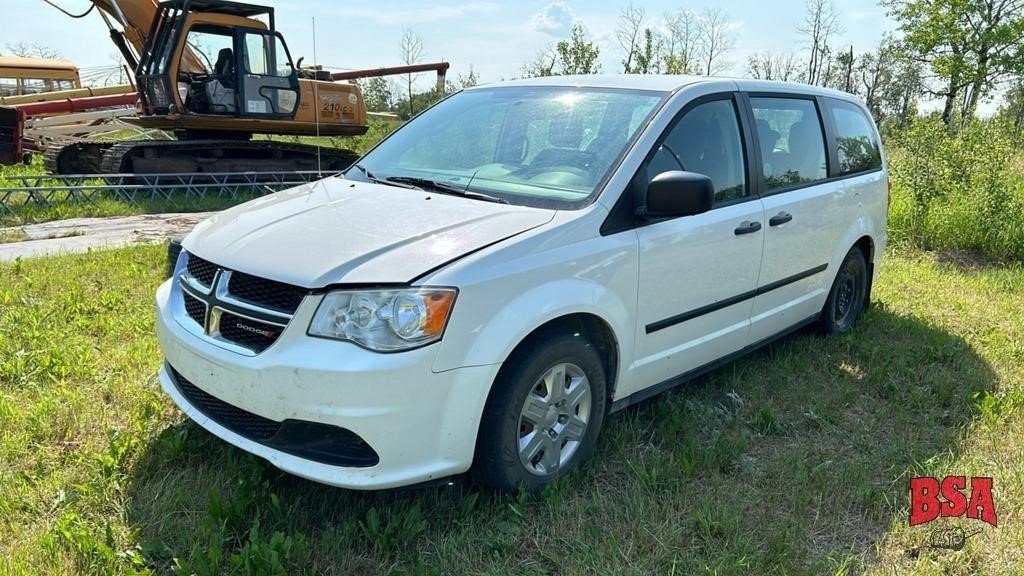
{"x": 706, "y": 141}
{"x": 791, "y": 141}
{"x": 856, "y": 139}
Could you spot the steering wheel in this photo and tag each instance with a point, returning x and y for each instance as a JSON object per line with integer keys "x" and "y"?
{"x": 535, "y": 172}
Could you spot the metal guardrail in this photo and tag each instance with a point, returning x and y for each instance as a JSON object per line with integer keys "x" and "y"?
{"x": 19, "y": 192}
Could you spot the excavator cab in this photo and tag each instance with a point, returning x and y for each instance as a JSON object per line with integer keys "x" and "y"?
{"x": 214, "y": 73}
{"x": 212, "y": 57}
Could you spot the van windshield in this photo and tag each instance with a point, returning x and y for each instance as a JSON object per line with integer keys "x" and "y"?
{"x": 549, "y": 147}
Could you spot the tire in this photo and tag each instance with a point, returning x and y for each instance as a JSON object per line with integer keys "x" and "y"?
{"x": 517, "y": 443}
{"x": 847, "y": 298}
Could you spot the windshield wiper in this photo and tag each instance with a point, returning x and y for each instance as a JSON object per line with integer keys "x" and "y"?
{"x": 443, "y": 188}
{"x": 369, "y": 175}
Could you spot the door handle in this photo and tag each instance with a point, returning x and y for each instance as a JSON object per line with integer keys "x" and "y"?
{"x": 747, "y": 227}
{"x": 780, "y": 219}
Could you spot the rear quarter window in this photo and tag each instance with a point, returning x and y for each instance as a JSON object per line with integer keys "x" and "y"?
{"x": 856, "y": 139}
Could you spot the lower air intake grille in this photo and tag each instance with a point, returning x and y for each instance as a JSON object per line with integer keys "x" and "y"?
{"x": 239, "y": 421}
{"x": 313, "y": 441}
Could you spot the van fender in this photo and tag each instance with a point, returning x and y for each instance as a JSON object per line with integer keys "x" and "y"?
{"x": 859, "y": 228}
{"x": 508, "y": 326}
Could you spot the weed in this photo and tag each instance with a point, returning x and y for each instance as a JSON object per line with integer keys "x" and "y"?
{"x": 957, "y": 192}
{"x": 397, "y": 529}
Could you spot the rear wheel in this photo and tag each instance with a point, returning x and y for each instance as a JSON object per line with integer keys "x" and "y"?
{"x": 543, "y": 417}
{"x": 846, "y": 299}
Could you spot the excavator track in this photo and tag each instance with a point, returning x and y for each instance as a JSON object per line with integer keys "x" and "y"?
{"x": 75, "y": 158}
{"x": 220, "y": 156}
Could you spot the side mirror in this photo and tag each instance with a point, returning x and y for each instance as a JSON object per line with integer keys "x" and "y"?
{"x": 678, "y": 193}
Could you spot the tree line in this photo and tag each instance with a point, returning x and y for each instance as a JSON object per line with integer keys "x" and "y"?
{"x": 957, "y": 51}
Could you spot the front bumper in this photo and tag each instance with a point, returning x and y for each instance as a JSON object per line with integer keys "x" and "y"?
{"x": 421, "y": 424}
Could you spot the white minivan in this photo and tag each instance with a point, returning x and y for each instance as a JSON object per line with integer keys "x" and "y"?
{"x": 518, "y": 261}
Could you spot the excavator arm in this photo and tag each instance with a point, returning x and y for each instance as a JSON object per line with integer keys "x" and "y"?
{"x": 130, "y": 23}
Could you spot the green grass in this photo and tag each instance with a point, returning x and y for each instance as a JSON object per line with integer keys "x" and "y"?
{"x": 794, "y": 460}
{"x": 8, "y": 235}
{"x": 112, "y": 207}
{"x": 102, "y": 206}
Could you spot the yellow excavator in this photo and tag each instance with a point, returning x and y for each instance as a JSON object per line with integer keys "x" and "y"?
{"x": 214, "y": 73}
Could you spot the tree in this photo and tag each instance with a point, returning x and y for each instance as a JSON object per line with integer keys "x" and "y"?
{"x": 899, "y": 96}
{"x": 768, "y": 66}
{"x": 821, "y": 22}
{"x": 647, "y": 60}
{"x": 889, "y": 80}
{"x": 578, "y": 55}
{"x": 969, "y": 45}
{"x": 378, "y": 94}
{"x": 543, "y": 64}
{"x": 33, "y": 50}
{"x": 629, "y": 33}
{"x": 1011, "y": 112}
{"x": 469, "y": 80}
{"x": 411, "y": 49}
{"x": 680, "y": 47}
{"x": 641, "y": 45}
{"x": 844, "y": 78}
{"x": 716, "y": 38}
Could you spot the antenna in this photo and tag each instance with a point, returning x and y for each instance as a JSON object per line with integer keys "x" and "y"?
{"x": 316, "y": 104}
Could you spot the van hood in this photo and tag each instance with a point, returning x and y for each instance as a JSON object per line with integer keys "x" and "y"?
{"x": 344, "y": 231}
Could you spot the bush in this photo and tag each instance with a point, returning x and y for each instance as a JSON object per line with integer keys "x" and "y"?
{"x": 962, "y": 192}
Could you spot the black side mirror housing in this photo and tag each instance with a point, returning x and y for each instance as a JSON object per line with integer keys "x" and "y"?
{"x": 678, "y": 193}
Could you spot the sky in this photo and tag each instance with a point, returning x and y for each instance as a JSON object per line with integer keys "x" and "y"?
{"x": 492, "y": 38}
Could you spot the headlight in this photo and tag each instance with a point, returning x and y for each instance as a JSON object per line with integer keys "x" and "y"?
{"x": 384, "y": 320}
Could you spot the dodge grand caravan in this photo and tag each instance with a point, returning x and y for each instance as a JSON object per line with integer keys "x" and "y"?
{"x": 489, "y": 282}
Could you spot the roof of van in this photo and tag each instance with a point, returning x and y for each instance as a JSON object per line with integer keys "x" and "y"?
{"x": 36, "y": 63}
{"x": 671, "y": 83}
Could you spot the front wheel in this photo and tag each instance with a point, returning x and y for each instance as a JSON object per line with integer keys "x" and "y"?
{"x": 846, "y": 299}
{"x": 543, "y": 417}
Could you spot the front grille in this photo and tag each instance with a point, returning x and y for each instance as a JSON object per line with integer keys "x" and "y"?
{"x": 247, "y": 424}
{"x": 276, "y": 299}
{"x": 201, "y": 270}
{"x": 268, "y": 293}
{"x": 195, "y": 309}
{"x": 256, "y": 336}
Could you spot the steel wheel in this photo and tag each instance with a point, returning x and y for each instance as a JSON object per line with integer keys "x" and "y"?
{"x": 846, "y": 298}
{"x": 554, "y": 418}
{"x": 846, "y": 293}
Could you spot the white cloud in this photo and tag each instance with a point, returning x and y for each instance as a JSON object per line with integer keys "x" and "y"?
{"x": 556, "y": 18}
